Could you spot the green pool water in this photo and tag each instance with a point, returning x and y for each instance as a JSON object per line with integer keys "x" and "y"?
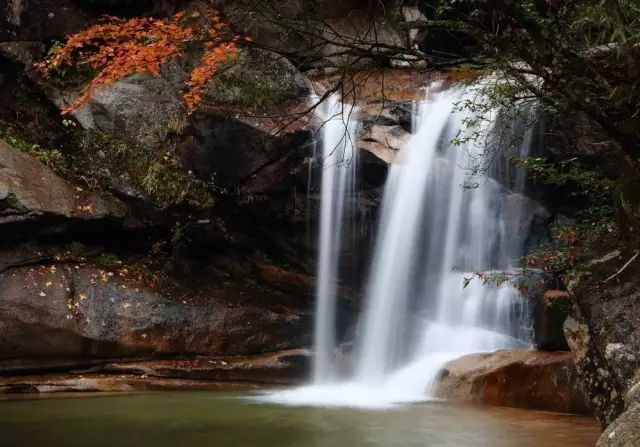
{"x": 181, "y": 419}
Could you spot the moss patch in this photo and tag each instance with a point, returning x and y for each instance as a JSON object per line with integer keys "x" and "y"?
{"x": 256, "y": 80}
{"x": 156, "y": 175}
{"x": 169, "y": 184}
{"x": 50, "y": 157}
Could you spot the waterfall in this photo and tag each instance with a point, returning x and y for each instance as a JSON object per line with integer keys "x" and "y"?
{"x": 433, "y": 234}
{"x": 337, "y": 184}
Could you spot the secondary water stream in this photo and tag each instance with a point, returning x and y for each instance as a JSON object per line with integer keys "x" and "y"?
{"x": 338, "y": 184}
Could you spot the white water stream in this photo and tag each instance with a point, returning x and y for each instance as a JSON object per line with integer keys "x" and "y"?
{"x": 338, "y": 183}
{"x": 432, "y": 233}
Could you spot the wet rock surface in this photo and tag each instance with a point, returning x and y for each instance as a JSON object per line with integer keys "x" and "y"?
{"x": 283, "y": 367}
{"x": 515, "y": 378}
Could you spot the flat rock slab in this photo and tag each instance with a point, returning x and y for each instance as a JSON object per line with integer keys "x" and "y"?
{"x": 108, "y": 383}
{"x": 276, "y": 368}
{"x": 285, "y": 367}
{"x": 515, "y": 378}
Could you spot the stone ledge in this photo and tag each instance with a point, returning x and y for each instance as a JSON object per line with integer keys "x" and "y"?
{"x": 277, "y": 368}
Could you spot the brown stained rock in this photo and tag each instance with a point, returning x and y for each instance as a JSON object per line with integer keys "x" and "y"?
{"x": 376, "y": 112}
{"x": 80, "y": 311}
{"x": 383, "y": 84}
{"x": 28, "y": 188}
{"x": 394, "y": 84}
{"x": 294, "y": 288}
{"x": 515, "y": 378}
{"x": 33, "y": 197}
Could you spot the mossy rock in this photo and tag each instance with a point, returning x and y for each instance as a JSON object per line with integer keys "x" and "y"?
{"x": 257, "y": 80}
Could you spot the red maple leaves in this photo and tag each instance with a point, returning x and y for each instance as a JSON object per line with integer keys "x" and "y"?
{"x": 116, "y": 48}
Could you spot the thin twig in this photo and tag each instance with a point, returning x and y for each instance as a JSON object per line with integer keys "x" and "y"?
{"x": 623, "y": 267}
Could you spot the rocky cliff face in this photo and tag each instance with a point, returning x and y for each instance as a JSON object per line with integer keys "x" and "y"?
{"x": 603, "y": 332}
{"x": 68, "y": 301}
{"x": 137, "y": 230}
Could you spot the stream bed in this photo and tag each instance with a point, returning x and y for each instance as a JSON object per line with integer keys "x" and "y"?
{"x": 236, "y": 420}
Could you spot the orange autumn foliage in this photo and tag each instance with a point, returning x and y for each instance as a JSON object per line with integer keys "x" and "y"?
{"x": 116, "y": 48}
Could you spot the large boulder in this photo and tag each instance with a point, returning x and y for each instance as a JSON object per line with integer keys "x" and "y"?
{"x": 33, "y": 199}
{"x": 80, "y": 311}
{"x": 575, "y": 136}
{"x": 141, "y": 109}
{"x": 251, "y": 118}
{"x": 515, "y": 378}
{"x": 145, "y": 109}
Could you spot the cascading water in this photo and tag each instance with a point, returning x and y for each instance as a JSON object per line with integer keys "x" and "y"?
{"x": 432, "y": 234}
{"x": 338, "y": 183}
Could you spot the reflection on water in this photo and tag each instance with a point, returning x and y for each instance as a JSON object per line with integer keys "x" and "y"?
{"x": 229, "y": 419}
